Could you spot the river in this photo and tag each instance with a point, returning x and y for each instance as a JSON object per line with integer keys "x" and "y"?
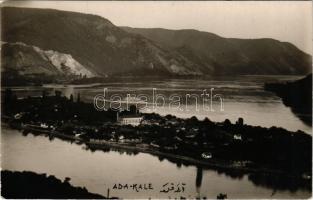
{"x": 242, "y": 96}
{"x": 98, "y": 171}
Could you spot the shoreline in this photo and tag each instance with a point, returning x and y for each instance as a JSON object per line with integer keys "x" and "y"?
{"x": 212, "y": 164}
{"x": 221, "y": 146}
{"x": 30, "y": 185}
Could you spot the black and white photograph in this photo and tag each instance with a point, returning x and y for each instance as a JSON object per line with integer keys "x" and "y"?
{"x": 156, "y": 99}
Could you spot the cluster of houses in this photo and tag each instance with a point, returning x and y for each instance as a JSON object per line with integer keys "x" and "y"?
{"x": 134, "y": 120}
{"x": 129, "y": 117}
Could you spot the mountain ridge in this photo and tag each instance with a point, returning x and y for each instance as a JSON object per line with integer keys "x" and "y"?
{"x": 108, "y": 50}
{"x": 206, "y": 45}
{"x": 92, "y": 40}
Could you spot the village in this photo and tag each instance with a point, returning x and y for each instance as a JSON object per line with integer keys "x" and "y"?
{"x": 239, "y": 145}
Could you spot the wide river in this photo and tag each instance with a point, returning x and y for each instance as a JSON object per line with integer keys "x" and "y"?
{"x": 99, "y": 171}
{"x": 242, "y": 96}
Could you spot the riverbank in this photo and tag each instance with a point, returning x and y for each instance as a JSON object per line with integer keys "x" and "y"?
{"x": 99, "y": 170}
{"x": 29, "y": 185}
{"x": 297, "y": 95}
{"x": 216, "y": 164}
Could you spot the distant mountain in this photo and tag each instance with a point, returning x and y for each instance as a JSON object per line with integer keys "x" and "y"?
{"x": 231, "y": 56}
{"x": 92, "y": 41}
{"x": 52, "y": 42}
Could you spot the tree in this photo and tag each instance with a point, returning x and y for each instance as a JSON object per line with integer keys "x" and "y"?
{"x": 78, "y": 98}
{"x": 8, "y": 96}
{"x": 58, "y": 93}
{"x": 44, "y": 94}
{"x": 227, "y": 123}
{"x": 71, "y": 98}
{"x": 240, "y": 121}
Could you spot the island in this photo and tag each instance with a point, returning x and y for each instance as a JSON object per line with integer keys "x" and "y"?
{"x": 219, "y": 145}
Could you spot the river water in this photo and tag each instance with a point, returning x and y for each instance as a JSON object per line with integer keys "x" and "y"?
{"x": 98, "y": 171}
{"x": 242, "y": 96}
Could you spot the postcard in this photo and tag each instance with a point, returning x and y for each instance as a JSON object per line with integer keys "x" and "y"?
{"x": 156, "y": 99}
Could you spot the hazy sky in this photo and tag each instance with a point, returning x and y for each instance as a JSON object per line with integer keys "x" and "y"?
{"x": 283, "y": 20}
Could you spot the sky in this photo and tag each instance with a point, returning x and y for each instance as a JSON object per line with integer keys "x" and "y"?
{"x": 289, "y": 21}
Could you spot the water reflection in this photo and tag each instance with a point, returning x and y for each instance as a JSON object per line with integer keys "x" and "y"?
{"x": 277, "y": 182}
{"x": 199, "y": 180}
{"x": 306, "y": 118}
{"x": 281, "y": 182}
{"x": 100, "y": 169}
